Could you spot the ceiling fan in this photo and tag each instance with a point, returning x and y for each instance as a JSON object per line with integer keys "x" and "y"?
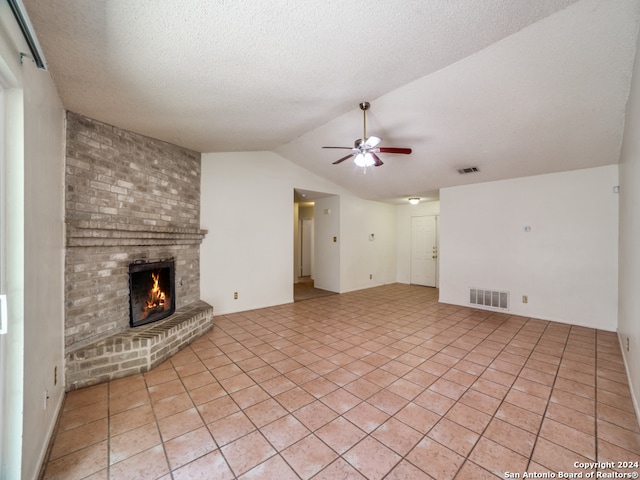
{"x": 365, "y": 149}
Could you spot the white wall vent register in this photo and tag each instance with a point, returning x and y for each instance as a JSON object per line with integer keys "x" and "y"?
{"x": 489, "y": 298}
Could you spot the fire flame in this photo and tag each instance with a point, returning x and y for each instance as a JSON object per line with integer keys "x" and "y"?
{"x": 156, "y": 296}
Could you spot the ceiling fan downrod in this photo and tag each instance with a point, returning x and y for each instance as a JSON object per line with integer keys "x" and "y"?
{"x": 364, "y": 106}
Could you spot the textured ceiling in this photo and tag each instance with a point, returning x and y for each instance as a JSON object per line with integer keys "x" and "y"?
{"x": 513, "y": 87}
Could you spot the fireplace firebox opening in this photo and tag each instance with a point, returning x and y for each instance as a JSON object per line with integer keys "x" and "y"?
{"x": 151, "y": 291}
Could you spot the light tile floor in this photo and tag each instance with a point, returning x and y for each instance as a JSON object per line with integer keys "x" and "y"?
{"x": 380, "y": 383}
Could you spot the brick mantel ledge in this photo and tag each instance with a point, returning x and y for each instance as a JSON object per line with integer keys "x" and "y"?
{"x": 98, "y": 234}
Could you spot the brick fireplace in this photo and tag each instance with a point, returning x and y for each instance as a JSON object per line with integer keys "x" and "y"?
{"x": 129, "y": 199}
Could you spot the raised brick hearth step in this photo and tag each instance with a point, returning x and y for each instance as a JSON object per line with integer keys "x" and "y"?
{"x": 137, "y": 349}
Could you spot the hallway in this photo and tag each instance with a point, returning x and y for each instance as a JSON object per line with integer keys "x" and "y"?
{"x": 304, "y": 289}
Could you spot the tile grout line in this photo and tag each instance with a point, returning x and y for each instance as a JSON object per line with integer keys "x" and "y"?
{"x": 555, "y": 378}
{"x": 187, "y": 390}
{"x": 503, "y": 400}
{"x": 466, "y": 333}
{"x": 256, "y": 428}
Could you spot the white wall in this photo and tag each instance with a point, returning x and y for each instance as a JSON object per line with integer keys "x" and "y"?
{"x": 36, "y": 204}
{"x": 566, "y": 264}
{"x": 326, "y": 274}
{"x": 629, "y": 279}
{"x": 361, "y": 257}
{"x": 44, "y": 263}
{"x": 296, "y": 242}
{"x": 247, "y": 206}
{"x": 405, "y": 212}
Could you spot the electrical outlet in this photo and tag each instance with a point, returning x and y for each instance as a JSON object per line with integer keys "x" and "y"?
{"x": 55, "y": 375}
{"x": 525, "y": 299}
{"x": 371, "y": 276}
{"x": 627, "y": 344}
{"x": 235, "y": 295}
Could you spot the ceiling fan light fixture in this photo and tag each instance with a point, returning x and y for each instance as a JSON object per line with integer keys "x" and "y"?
{"x": 414, "y": 200}
{"x": 364, "y": 160}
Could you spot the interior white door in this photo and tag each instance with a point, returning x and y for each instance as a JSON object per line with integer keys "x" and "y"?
{"x": 306, "y": 235}
{"x": 424, "y": 250}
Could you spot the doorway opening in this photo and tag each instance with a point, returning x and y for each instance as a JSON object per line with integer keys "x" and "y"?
{"x": 306, "y": 243}
{"x": 304, "y": 246}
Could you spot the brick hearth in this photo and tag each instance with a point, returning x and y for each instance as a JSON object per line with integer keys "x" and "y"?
{"x": 137, "y": 349}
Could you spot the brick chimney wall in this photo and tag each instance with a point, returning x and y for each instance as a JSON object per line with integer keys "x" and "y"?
{"x": 128, "y": 198}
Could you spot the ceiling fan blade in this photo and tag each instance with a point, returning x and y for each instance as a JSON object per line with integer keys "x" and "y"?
{"x": 341, "y": 148}
{"x": 395, "y": 150}
{"x": 372, "y": 142}
{"x": 343, "y": 159}
{"x": 376, "y": 159}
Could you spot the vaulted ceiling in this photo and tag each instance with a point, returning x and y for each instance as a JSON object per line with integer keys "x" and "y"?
{"x": 514, "y": 88}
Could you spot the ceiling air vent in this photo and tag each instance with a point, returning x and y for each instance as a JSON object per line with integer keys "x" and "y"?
{"x": 463, "y": 171}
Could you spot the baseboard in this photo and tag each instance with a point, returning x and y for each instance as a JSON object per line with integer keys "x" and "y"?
{"x": 634, "y": 399}
{"x": 44, "y": 457}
